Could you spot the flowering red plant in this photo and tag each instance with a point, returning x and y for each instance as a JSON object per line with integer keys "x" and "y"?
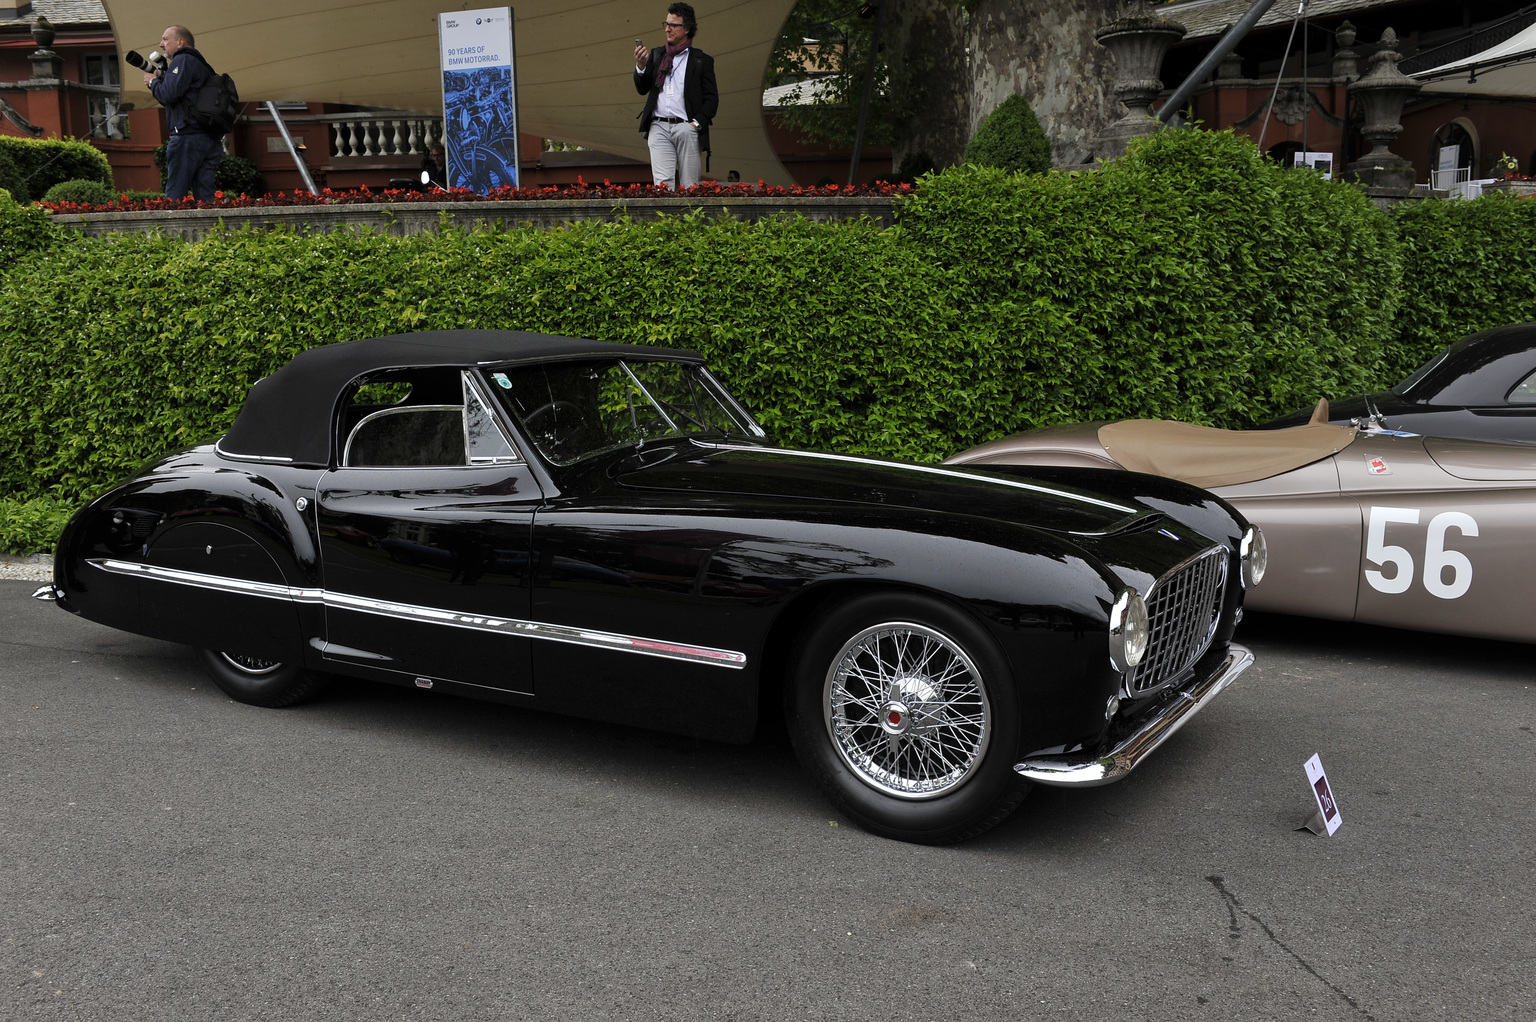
{"x": 580, "y": 190}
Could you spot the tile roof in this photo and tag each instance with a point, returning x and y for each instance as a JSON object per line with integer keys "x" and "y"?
{"x": 63, "y": 13}
{"x": 1205, "y": 18}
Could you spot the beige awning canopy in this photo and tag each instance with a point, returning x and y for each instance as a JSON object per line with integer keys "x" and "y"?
{"x": 1507, "y": 69}
{"x": 575, "y": 61}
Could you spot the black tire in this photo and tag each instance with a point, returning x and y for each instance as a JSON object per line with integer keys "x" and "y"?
{"x": 261, "y": 682}
{"x": 924, "y": 752}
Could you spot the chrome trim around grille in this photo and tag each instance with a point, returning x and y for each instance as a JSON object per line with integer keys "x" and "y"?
{"x": 450, "y": 618}
{"x": 1183, "y": 610}
{"x": 1102, "y": 766}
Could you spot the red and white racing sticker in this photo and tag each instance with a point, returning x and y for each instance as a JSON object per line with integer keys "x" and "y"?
{"x": 1377, "y": 465}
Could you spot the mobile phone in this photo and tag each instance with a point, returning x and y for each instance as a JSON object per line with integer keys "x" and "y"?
{"x": 639, "y": 42}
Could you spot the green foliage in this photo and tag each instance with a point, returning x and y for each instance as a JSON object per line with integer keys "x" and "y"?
{"x": 85, "y": 193}
{"x": 238, "y": 176}
{"x": 32, "y": 526}
{"x": 1467, "y": 266}
{"x": 23, "y": 230}
{"x": 1191, "y": 279}
{"x": 11, "y": 179}
{"x": 1011, "y": 139}
{"x": 44, "y": 162}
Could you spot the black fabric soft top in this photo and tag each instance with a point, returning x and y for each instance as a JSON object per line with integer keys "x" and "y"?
{"x": 287, "y": 416}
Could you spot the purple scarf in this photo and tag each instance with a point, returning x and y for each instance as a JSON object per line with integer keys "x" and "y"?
{"x": 665, "y": 67}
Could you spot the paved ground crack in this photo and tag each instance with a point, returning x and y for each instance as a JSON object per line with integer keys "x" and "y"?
{"x": 1234, "y": 907}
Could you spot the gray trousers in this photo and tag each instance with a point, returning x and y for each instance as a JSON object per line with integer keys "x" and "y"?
{"x": 674, "y": 154}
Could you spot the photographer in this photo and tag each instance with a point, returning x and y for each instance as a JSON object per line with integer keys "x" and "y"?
{"x": 192, "y": 155}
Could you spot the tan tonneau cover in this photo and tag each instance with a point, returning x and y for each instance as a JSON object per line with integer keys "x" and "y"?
{"x": 1206, "y": 456}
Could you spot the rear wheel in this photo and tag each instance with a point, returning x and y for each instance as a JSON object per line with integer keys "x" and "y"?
{"x": 904, "y": 710}
{"x": 261, "y": 682}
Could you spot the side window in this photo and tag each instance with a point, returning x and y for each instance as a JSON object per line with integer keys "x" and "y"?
{"x": 421, "y": 435}
{"x": 423, "y": 418}
{"x": 488, "y": 445}
{"x": 1525, "y": 393}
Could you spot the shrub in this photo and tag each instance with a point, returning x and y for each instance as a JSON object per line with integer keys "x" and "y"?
{"x": 1467, "y": 266}
{"x": 44, "y": 162}
{"x": 1011, "y": 139}
{"x": 23, "y": 230}
{"x": 11, "y": 179}
{"x": 238, "y": 176}
{"x": 84, "y": 193}
{"x": 1191, "y": 279}
{"x": 32, "y": 526}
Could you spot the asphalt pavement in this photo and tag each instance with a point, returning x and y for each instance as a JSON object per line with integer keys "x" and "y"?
{"x": 390, "y": 853}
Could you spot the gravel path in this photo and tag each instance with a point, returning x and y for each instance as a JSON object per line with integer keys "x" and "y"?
{"x": 36, "y": 568}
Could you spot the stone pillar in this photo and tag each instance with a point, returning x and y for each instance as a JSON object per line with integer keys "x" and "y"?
{"x": 1138, "y": 42}
{"x": 1383, "y": 91}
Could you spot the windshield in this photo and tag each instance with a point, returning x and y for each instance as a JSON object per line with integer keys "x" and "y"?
{"x": 573, "y": 410}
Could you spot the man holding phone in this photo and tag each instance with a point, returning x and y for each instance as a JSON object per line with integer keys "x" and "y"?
{"x": 681, "y": 98}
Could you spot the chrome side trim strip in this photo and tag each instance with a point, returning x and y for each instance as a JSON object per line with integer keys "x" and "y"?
{"x": 541, "y": 630}
{"x": 220, "y": 583}
{"x": 454, "y": 619}
{"x": 270, "y": 459}
{"x": 1102, "y": 766}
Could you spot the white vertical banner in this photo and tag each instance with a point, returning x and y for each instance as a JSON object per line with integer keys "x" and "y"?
{"x": 479, "y": 99}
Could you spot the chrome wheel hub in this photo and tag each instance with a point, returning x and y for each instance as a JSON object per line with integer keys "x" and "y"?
{"x": 251, "y": 665}
{"x": 907, "y": 710}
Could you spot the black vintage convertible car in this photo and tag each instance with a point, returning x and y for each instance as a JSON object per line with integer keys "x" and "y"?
{"x": 601, "y": 530}
{"x": 1482, "y": 387}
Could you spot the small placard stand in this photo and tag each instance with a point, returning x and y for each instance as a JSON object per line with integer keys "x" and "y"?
{"x": 1327, "y": 819}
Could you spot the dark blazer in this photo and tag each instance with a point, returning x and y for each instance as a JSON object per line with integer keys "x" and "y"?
{"x": 701, "y": 96}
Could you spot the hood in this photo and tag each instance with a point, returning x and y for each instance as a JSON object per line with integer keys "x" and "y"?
{"x": 841, "y": 479}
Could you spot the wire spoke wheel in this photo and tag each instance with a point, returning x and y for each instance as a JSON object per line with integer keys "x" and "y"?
{"x": 907, "y": 710}
{"x": 254, "y": 666}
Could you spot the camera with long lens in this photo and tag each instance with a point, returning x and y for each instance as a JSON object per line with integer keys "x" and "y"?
{"x": 154, "y": 64}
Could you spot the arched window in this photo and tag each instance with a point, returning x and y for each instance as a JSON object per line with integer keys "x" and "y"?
{"x": 1452, "y": 134}
{"x": 1284, "y": 153}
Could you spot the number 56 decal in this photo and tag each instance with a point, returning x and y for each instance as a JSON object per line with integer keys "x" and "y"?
{"x": 1437, "y": 559}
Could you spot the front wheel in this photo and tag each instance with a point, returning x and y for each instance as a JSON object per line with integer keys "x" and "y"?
{"x": 904, "y": 710}
{"x": 259, "y": 682}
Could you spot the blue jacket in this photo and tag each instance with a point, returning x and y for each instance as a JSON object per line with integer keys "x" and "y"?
{"x": 178, "y": 89}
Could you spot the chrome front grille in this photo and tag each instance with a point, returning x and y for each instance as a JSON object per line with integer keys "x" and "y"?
{"x": 1182, "y": 610}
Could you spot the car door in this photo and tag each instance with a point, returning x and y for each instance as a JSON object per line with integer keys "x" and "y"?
{"x": 1447, "y": 533}
{"x": 1313, "y": 534}
{"x": 424, "y": 537}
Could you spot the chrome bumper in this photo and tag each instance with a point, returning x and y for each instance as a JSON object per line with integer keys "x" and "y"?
{"x": 49, "y": 592}
{"x": 1101, "y": 766}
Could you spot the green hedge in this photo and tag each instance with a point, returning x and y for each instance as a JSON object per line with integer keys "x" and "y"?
{"x": 45, "y": 162}
{"x": 1191, "y": 279}
{"x": 1466, "y": 266}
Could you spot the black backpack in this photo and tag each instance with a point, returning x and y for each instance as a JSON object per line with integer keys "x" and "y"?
{"x": 217, "y": 104}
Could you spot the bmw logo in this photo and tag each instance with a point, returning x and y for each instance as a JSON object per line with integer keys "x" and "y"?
{"x": 477, "y": 21}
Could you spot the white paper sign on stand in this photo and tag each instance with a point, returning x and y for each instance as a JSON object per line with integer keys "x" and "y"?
{"x": 479, "y": 99}
{"x": 1327, "y": 819}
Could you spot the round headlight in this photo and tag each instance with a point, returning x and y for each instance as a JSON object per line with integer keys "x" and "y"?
{"x": 1255, "y": 557}
{"x": 1127, "y": 630}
